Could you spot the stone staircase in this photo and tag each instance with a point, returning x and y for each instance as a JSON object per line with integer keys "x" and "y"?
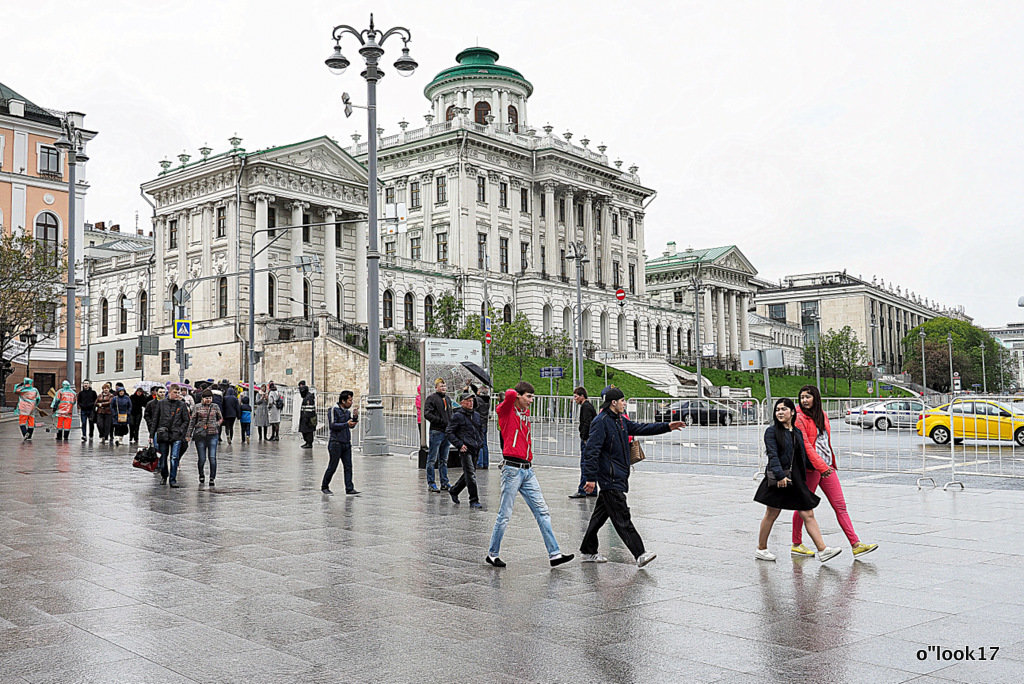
{"x": 661, "y": 374}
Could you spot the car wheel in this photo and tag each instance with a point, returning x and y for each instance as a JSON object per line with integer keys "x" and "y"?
{"x": 940, "y": 434}
{"x": 725, "y": 419}
{"x": 1018, "y": 437}
{"x": 688, "y": 419}
{"x": 883, "y": 424}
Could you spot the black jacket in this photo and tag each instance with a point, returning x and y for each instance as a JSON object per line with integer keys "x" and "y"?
{"x": 782, "y": 459}
{"x": 587, "y": 415}
{"x": 307, "y": 413}
{"x": 231, "y": 406}
{"x": 149, "y": 414}
{"x": 337, "y": 420}
{"x": 171, "y": 415}
{"x": 87, "y": 400}
{"x": 606, "y": 456}
{"x": 465, "y": 428}
{"x": 138, "y": 404}
{"x": 482, "y": 405}
{"x": 438, "y": 410}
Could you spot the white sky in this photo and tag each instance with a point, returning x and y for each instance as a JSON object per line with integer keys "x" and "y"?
{"x": 883, "y": 138}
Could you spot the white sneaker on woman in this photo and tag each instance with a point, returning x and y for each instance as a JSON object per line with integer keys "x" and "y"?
{"x": 764, "y": 554}
{"x": 829, "y": 553}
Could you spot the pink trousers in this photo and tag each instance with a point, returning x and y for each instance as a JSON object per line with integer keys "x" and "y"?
{"x": 834, "y": 492}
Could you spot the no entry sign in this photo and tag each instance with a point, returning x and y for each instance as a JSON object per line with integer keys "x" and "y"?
{"x": 620, "y": 294}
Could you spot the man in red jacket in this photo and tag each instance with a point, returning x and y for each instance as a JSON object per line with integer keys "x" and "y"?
{"x": 517, "y": 475}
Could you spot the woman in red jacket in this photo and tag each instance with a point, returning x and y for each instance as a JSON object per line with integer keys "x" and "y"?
{"x": 813, "y": 424}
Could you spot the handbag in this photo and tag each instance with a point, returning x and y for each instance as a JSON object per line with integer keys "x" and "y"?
{"x": 279, "y": 403}
{"x": 636, "y": 452}
{"x": 770, "y": 476}
{"x": 122, "y": 417}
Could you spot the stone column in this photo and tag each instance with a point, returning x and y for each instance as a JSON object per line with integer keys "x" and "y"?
{"x": 465, "y": 236}
{"x": 550, "y": 231}
{"x": 588, "y": 235}
{"x": 733, "y": 325}
{"x": 606, "y": 242}
{"x": 427, "y": 196}
{"x": 623, "y": 242}
{"x": 568, "y": 234}
{"x": 260, "y": 301}
{"x": 496, "y": 106}
{"x": 514, "y": 187}
{"x": 362, "y": 236}
{"x": 331, "y": 261}
{"x": 160, "y": 285}
{"x": 642, "y": 280}
{"x": 720, "y": 322}
{"x": 297, "y": 251}
{"x": 206, "y": 308}
{"x": 744, "y": 323}
{"x": 707, "y": 318}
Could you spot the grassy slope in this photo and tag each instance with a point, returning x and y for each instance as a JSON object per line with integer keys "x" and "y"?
{"x": 506, "y": 374}
{"x": 788, "y": 386}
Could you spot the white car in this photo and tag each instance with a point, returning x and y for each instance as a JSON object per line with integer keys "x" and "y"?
{"x": 855, "y": 413}
{"x": 901, "y": 413}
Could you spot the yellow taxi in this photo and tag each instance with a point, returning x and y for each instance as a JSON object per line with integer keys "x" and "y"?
{"x": 974, "y": 419}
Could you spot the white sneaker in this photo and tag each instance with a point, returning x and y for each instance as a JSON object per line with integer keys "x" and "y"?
{"x": 829, "y": 553}
{"x": 764, "y": 554}
{"x": 645, "y": 558}
{"x": 592, "y": 558}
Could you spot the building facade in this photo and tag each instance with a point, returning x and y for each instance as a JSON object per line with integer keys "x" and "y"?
{"x": 34, "y": 201}
{"x": 879, "y": 314}
{"x": 1011, "y": 337}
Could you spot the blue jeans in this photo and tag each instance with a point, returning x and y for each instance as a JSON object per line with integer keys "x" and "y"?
{"x": 438, "y": 452}
{"x": 208, "y": 447}
{"x": 172, "y": 450}
{"x": 522, "y": 481}
{"x": 482, "y": 457}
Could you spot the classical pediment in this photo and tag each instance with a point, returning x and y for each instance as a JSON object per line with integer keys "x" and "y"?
{"x": 321, "y": 155}
{"x": 734, "y": 260}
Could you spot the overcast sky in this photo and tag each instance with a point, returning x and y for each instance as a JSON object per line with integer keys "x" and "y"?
{"x": 882, "y": 138}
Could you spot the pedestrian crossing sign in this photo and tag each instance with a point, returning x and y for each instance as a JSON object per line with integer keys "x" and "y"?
{"x": 183, "y": 329}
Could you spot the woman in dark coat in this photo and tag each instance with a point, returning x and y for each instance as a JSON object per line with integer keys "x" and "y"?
{"x": 139, "y": 400}
{"x": 785, "y": 482}
{"x": 307, "y": 416}
{"x": 230, "y": 410}
{"x": 121, "y": 413}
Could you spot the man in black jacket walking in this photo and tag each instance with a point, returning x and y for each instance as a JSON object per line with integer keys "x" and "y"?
{"x": 465, "y": 434}
{"x": 438, "y": 410}
{"x": 87, "y": 407}
{"x": 606, "y": 461}
{"x": 587, "y": 415}
{"x": 339, "y": 447}
{"x": 170, "y": 419}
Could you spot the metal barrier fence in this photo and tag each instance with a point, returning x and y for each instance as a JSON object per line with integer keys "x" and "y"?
{"x": 874, "y": 436}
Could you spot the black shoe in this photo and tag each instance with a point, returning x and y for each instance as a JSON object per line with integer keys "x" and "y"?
{"x": 578, "y": 495}
{"x": 476, "y": 505}
{"x": 175, "y": 485}
{"x": 562, "y": 558}
{"x": 306, "y": 446}
{"x": 352, "y": 492}
{"x": 163, "y": 480}
{"x": 59, "y": 438}
{"x": 202, "y": 479}
{"x": 326, "y": 490}
{"x": 445, "y": 488}
{"x": 84, "y": 438}
{"x": 211, "y": 484}
{"x": 496, "y": 562}
{"x": 455, "y": 497}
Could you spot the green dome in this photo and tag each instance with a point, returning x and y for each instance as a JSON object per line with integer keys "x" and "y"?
{"x": 476, "y": 61}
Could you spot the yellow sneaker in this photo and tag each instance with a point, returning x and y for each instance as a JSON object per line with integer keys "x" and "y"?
{"x": 861, "y": 548}
{"x": 801, "y": 550}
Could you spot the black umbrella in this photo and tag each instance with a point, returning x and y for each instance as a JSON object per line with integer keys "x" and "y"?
{"x": 478, "y": 372}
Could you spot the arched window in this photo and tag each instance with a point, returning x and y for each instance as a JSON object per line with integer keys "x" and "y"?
{"x": 389, "y": 309}
{"x": 410, "y": 311}
{"x": 428, "y": 311}
{"x": 222, "y": 298}
{"x": 47, "y": 234}
{"x": 143, "y": 311}
{"x": 513, "y": 118}
{"x": 104, "y": 313}
{"x": 546, "y": 319}
{"x": 657, "y": 339}
{"x": 174, "y": 304}
{"x": 481, "y": 111}
{"x": 122, "y": 315}
{"x": 567, "y": 320}
{"x": 307, "y": 294}
{"x": 271, "y": 296}
{"x": 506, "y": 315}
{"x": 338, "y": 302}
{"x": 450, "y": 113}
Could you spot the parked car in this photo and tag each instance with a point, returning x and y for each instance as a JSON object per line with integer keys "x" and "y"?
{"x": 854, "y": 413}
{"x": 901, "y": 413}
{"x": 692, "y": 411}
{"x": 974, "y": 419}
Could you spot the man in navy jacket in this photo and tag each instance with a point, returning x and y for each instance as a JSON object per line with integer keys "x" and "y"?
{"x": 606, "y": 461}
{"x": 339, "y": 447}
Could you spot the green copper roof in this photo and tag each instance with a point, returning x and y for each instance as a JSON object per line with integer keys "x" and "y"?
{"x": 690, "y": 256}
{"x": 32, "y": 110}
{"x": 477, "y": 61}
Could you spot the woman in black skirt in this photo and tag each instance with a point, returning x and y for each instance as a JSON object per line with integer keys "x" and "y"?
{"x": 787, "y": 487}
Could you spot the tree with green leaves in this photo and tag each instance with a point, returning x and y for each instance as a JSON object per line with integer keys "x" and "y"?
{"x": 558, "y": 345}
{"x": 33, "y": 274}
{"x": 447, "y": 315}
{"x": 845, "y": 354}
{"x": 516, "y": 340}
{"x": 968, "y": 341}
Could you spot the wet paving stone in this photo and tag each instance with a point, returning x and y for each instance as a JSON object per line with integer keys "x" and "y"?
{"x": 107, "y": 576}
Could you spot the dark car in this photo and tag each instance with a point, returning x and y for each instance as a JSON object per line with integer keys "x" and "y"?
{"x": 692, "y": 411}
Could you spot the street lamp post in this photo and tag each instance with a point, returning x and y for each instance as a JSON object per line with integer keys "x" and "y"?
{"x": 371, "y": 49}
{"x": 72, "y": 144}
{"x": 817, "y": 350}
{"x": 924, "y": 373}
{"x": 949, "y": 345}
{"x": 984, "y": 376}
{"x": 698, "y": 285}
{"x": 874, "y": 347}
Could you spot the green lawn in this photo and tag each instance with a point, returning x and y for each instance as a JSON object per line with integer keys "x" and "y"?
{"x": 788, "y": 385}
{"x": 505, "y": 373}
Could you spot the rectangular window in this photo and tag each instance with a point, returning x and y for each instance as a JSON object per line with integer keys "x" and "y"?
{"x": 415, "y": 248}
{"x": 442, "y": 248}
{"x": 119, "y": 361}
{"x": 389, "y": 248}
{"x": 481, "y": 250}
{"x": 632, "y": 278}
{"x": 101, "y": 362}
{"x": 579, "y": 215}
{"x": 49, "y": 161}
{"x": 138, "y": 358}
{"x": 543, "y": 208}
{"x": 222, "y": 222}
{"x": 777, "y": 312}
{"x": 414, "y": 194}
{"x": 561, "y": 268}
{"x": 172, "y": 234}
{"x": 561, "y": 210}
{"x": 503, "y": 254}
{"x": 503, "y": 195}
{"x": 481, "y": 189}
{"x": 616, "y": 279}
{"x": 442, "y": 189}
{"x": 677, "y": 296}
{"x": 615, "y": 225}
{"x": 809, "y": 320}
{"x": 524, "y": 200}
{"x": 598, "y": 273}
{"x": 307, "y": 230}
{"x": 597, "y": 221}
{"x": 629, "y": 235}
{"x": 165, "y": 363}
{"x": 389, "y": 195}
{"x": 543, "y": 260}
{"x": 337, "y": 235}
{"x": 524, "y": 255}
{"x": 271, "y": 221}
